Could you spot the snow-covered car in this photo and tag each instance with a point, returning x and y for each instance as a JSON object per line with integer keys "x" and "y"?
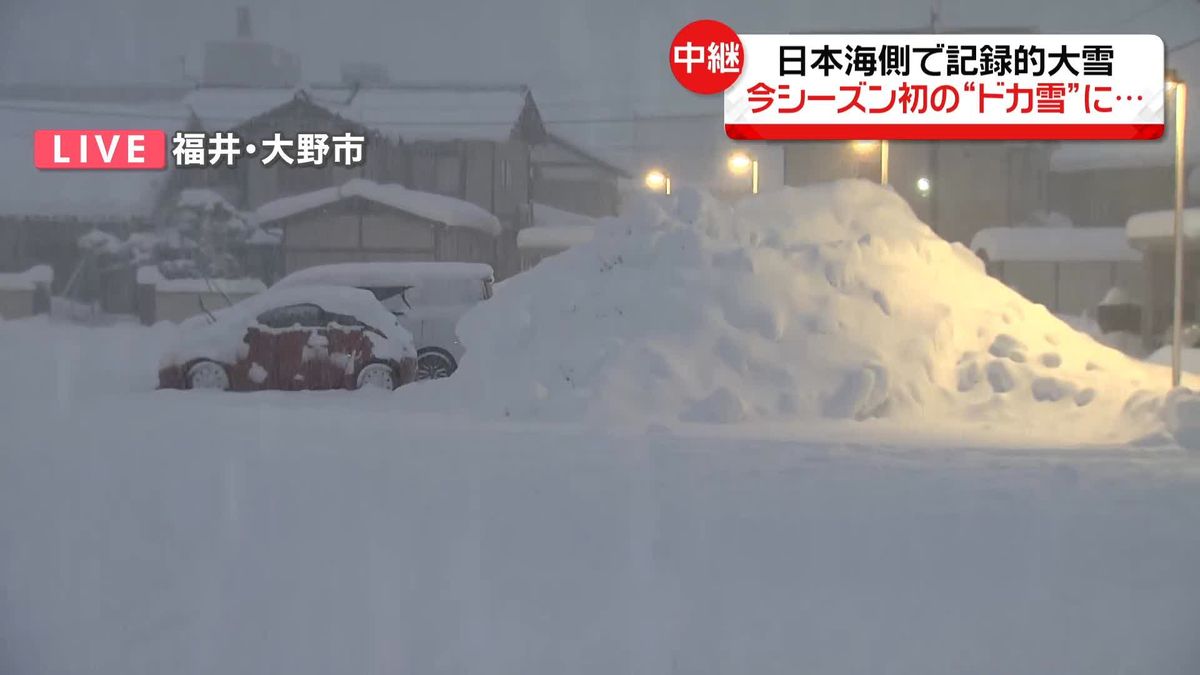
{"x": 428, "y": 297}
{"x": 312, "y": 337}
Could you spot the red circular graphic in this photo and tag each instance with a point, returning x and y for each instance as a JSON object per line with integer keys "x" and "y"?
{"x": 706, "y": 57}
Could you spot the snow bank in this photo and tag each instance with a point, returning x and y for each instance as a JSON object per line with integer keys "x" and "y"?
{"x": 27, "y": 280}
{"x": 827, "y": 302}
{"x": 439, "y": 208}
{"x": 1191, "y": 358}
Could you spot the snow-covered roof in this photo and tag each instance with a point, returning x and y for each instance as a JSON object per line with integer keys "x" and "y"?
{"x": 1054, "y": 244}
{"x": 27, "y": 280}
{"x": 1142, "y": 227}
{"x": 222, "y": 108}
{"x": 411, "y": 113}
{"x": 96, "y": 195}
{"x": 432, "y": 114}
{"x": 440, "y": 208}
{"x": 386, "y": 273}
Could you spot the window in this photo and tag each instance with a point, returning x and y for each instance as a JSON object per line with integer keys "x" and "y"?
{"x": 307, "y": 315}
{"x": 382, "y": 293}
{"x": 505, "y": 173}
{"x": 344, "y": 320}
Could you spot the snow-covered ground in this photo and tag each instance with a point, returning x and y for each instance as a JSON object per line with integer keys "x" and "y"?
{"x": 148, "y": 532}
{"x": 957, "y": 526}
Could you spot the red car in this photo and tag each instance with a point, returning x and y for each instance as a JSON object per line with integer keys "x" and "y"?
{"x": 313, "y": 337}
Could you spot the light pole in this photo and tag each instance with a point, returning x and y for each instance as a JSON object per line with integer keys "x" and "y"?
{"x": 1179, "y": 87}
{"x": 657, "y": 179}
{"x": 739, "y": 162}
{"x": 883, "y": 162}
{"x": 867, "y": 147}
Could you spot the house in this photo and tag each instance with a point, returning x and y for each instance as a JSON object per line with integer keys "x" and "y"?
{"x": 44, "y": 213}
{"x": 1153, "y": 234}
{"x": 568, "y": 177}
{"x": 1067, "y": 269}
{"x": 471, "y": 143}
{"x": 1106, "y": 183}
{"x": 362, "y": 221}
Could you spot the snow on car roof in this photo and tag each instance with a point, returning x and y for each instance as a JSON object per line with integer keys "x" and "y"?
{"x": 336, "y": 299}
{"x": 386, "y": 273}
{"x": 1054, "y": 244}
{"x": 440, "y": 208}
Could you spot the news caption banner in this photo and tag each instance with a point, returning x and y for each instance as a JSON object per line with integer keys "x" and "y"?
{"x": 146, "y": 149}
{"x": 927, "y": 87}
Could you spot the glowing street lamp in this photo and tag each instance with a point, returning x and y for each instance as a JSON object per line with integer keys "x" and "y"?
{"x": 924, "y": 186}
{"x": 657, "y": 179}
{"x": 868, "y": 147}
{"x": 1176, "y": 85}
{"x": 740, "y": 162}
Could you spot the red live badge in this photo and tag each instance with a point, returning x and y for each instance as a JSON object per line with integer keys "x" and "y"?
{"x": 706, "y": 57}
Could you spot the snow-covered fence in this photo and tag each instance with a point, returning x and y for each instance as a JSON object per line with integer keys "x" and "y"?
{"x": 162, "y": 299}
{"x": 26, "y": 293}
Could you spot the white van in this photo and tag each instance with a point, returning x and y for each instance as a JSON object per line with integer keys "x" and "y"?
{"x": 427, "y": 297}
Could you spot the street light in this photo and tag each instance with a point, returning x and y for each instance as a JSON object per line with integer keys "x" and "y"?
{"x": 739, "y": 162}
{"x": 924, "y": 186}
{"x": 1176, "y": 85}
{"x": 868, "y": 147}
{"x": 657, "y": 179}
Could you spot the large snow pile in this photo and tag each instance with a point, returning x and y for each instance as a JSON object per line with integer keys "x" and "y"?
{"x": 827, "y": 302}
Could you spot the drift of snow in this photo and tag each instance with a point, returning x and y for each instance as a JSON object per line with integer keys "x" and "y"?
{"x": 827, "y": 302}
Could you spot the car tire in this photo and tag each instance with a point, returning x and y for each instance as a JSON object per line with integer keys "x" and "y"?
{"x": 434, "y": 364}
{"x": 207, "y": 375}
{"x": 376, "y": 375}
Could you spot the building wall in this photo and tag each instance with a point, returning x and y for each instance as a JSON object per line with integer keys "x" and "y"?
{"x": 16, "y": 303}
{"x": 1108, "y": 197}
{"x": 568, "y": 181}
{"x": 1069, "y": 288}
{"x": 974, "y": 185}
{"x": 355, "y": 230}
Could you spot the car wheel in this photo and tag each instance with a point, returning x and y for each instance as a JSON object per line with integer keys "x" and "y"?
{"x": 434, "y": 364}
{"x": 208, "y": 375}
{"x": 377, "y": 376}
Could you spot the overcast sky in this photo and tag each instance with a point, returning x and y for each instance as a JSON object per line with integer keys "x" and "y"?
{"x": 585, "y": 59}
{"x": 577, "y": 54}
